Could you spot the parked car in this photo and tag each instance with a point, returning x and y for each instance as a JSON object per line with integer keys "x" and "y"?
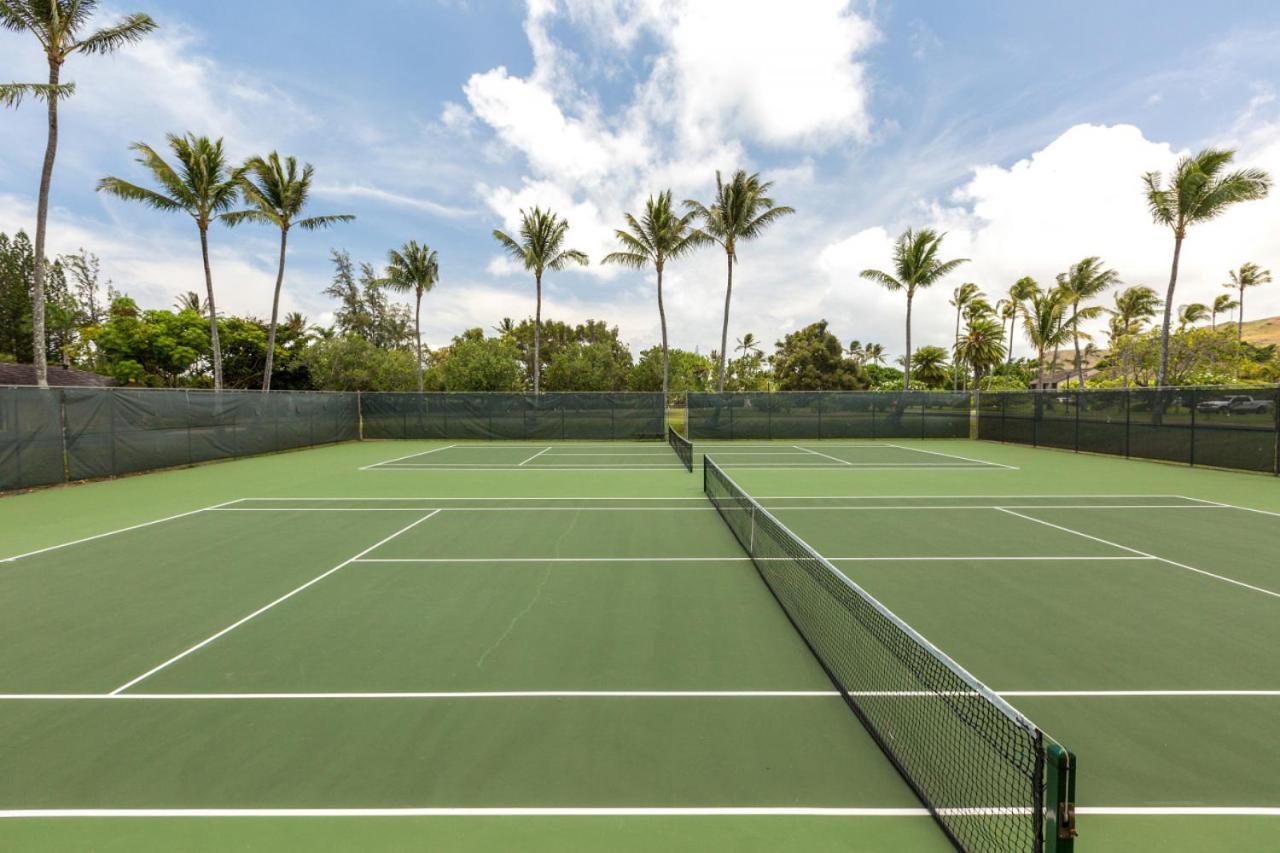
{"x": 1238, "y": 404}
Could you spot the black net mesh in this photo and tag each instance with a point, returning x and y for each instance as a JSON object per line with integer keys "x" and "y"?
{"x": 582, "y": 416}
{"x": 975, "y": 762}
{"x": 830, "y": 414}
{"x": 682, "y": 446}
{"x": 1223, "y": 427}
{"x": 30, "y": 437}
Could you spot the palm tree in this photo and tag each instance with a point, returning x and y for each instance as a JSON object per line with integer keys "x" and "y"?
{"x": 413, "y": 269}
{"x": 1084, "y": 281}
{"x": 56, "y": 26}
{"x": 1222, "y": 304}
{"x": 506, "y": 328}
{"x": 874, "y": 353}
{"x": 662, "y": 235}
{"x": 204, "y": 188}
{"x": 1189, "y": 315}
{"x": 277, "y": 193}
{"x": 748, "y": 344}
{"x": 740, "y": 211}
{"x": 190, "y": 301}
{"x": 982, "y": 346}
{"x": 541, "y": 248}
{"x": 931, "y": 366}
{"x": 1019, "y": 292}
{"x": 1134, "y": 306}
{"x": 961, "y": 297}
{"x": 1046, "y": 325}
{"x": 1249, "y": 275}
{"x": 916, "y": 265}
{"x": 1197, "y": 191}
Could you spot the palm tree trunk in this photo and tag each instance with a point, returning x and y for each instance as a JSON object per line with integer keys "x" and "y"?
{"x": 1013, "y": 321}
{"x": 662, "y": 317}
{"x": 724, "y": 331}
{"x": 906, "y": 361}
{"x": 1240, "y": 319}
{"x": 1040, "y": 370}
{"x": 417, "y": 335}
{"x": 955, "y": 363}
{"x": 1075, "y": 337}
{"x": 275, "y": 312}
{"x": 537, "y": 330}
{"x": 38, "y": 355}
{"x": 213, "y": 311}
{"x": 1168, "y": 313}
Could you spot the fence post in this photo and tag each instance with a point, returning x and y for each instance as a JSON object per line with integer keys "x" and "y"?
{"x": 819, "y": 414}
{"x": 1194, "y": 397}
{"x": 1004, "y": 426}
{"x": 1128, "y": 405}
{"x": 1276, "y": 456}
{"x": 1075, "y": 439}
{"x": 111, "y": 426}
{"x": 62, "y": 428}
{"x": 1036, "y": 410}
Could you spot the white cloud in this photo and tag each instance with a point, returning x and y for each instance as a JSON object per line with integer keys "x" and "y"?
{"x": 396, "y": 199}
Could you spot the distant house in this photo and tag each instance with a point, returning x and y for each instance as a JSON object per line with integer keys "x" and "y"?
{"x": 25, "y": 374}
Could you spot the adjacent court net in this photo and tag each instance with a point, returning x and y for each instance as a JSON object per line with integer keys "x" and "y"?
{"x": 976, "y": 763}
{"x": 682, "y": 446}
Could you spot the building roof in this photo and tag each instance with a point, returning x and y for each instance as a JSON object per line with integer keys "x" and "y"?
{"x": 25, "y": 374}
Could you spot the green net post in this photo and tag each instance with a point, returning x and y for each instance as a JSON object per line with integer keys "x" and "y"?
{"x": 1060, "y": 800}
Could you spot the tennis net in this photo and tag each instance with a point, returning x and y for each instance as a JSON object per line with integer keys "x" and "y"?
{"x": 682, "y": 446}
{"x": 989, "y": 776}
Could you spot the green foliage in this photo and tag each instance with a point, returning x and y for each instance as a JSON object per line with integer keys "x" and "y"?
{"x": 690, "y": 371}
{"x": 596, "y": 366}
{"x": 931, "y": 370}
{"x": 352, "y": 363}
{"x": 476, "y": 363}
{"x": 813, "y": 359}
{"x": 364, "y": 310}
{"x": 556, "y": 337}
{"x": 154, "y": 348}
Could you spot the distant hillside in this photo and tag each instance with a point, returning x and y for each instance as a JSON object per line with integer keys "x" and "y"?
{"x": 1262, "y": 332}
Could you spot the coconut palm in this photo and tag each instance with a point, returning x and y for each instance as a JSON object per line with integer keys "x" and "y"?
{"x": 740, "y": 211}
{"x": 1134, "y": 306}
{"x": 277, "y": 193}
{"x": 748, "y": 344}
{"x": 1189, "y": 315}
{"x": 1223, "y": 303}
{"x": 931, "y": 366}
{"x": 916, "y": 265}
{"x": 1198, "y": 190}
{"x": 540, "y": 248}
{"x": 873, "y": 353}
{"x": 1045, "y": 322}
{"x": 1085, "y": 281}
{"x": 1019, "y": 292}
{"x": 960, "y": 298}
{"x": 1249, "y": 275}
{"x": 56, "y": 24}
{"x": 413, "y": 269}
{"x": 661, "y": 236}
{"x": 190, "y": 301}
{"x": 981, "y": 347}
{"x": 204, "y": 187}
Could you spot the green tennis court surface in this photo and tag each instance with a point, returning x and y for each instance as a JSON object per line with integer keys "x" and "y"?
{"x": 308, "y": 650}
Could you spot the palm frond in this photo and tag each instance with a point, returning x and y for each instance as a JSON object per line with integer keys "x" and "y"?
{"x": 316, "y": 223}
{"x": 110, "y": 39}
{"x": 633, "y": 260}
{"x": 881, "y": 278}
{"x": 132, "y": 192}
{"x": 12, "y": 94}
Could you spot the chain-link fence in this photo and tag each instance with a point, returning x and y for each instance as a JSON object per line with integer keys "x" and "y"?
{"x": 60, "y": 434}
{"x": 830, "y": 414}
{"x": 1222, "y": 427}
{"x": 580, "y": 415}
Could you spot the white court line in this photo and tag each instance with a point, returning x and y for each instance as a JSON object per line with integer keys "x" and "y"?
{"x": 264, "y": 609}
{"x": 1054, "y": 558}
{"x": 1234, "y": 506}
{"x": 623, "y": 811}
{"x": 1222, "y": 578}
{"x": 823, "y": 455}
{"x": 701, "y": 498}
{"x": 623, "y": 694}
{"x": 410, "y": 456}
{"x": 952, "y": 456}
{"x": 824, "y": 508}
{"x": 535, "y": 456}
{"x": 118, "y": 530}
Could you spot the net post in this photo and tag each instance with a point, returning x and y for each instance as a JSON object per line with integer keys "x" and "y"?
{"x": 1060, "y": 800}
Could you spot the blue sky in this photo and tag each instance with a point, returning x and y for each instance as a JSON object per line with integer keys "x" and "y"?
{"x": 1019, "y": 128}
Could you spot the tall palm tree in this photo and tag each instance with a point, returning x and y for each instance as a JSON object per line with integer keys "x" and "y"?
{"x": 1198, "y": 190}
{"x": 1189, "y": 315}
{"x": 1019, "y": 292}
{"x": 662, "y": 235}
{"x": 1046, "y": 325}
{"x": 56, "y": 24}
{"x": 916, "y": 265}
{"x": 541, "y": 248}
{"x": 1134, "y": 306}
{"x": 874, "y": 353}
{"x": 1249, "y": 275}
{"x": 413, "y": 269}
{"x": 741, "y": 210}
{"x": 981, "y": 346}
{"x": 960, "y": 298}
{"x": 506, "y": 328}
{"x": 204, "y": 187}
{"x": 1084, "y": 281}
{"x": 748, "y": 344}
{"x": 277, "y": 193}
{"x": 189, "y": 301}
{"x": 1223, "y": 303}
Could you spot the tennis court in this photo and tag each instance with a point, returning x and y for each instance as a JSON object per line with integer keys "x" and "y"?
{"x": 296, "y": 651}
